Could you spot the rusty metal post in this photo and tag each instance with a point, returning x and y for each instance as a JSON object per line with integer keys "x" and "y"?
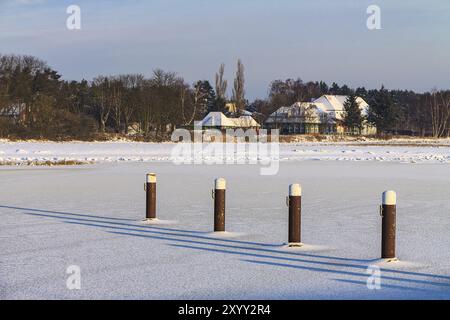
{"x": 294, "y": 202}
{"x": 388, "y": 224}
{"x": 218, "y": 195}
{"x": 150, "y": 188}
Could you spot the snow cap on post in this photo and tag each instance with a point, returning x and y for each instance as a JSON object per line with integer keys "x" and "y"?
{"x": 151, "y": 177}
{"x": 220, "y": 184}
{"x": 295, "y": 190}
{"x": 389, "y": 197}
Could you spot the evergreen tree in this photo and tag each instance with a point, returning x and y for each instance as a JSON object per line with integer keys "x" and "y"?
{"x": 352, "y": 114}
{"x": 383, "y": 112}
{"x": 345, "y": 90}
{"x": 211, "y": 98}
{"x": 323, "y": 88}
{"x": 205, "y": 97}
{"x": 334, "y": 89}
{"x": 219, "y": 104}
{"x": 361, "y": 92}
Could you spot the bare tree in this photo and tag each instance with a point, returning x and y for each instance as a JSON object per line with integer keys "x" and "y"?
{"x": 115, "y": 100}
{"x": 162, "y": 78}
{"x": 102, "y": 107}
{"x": 133, "y": 84}
{"x": 199, "y": 100}
{"x": 146, "y": 114}
{"x": 238, "y": 90}
{"x": 185, "y": 95}
{"x": 440, "y": 113}
{"x": 183, "y": 91}
{"x": 221, "y": 84}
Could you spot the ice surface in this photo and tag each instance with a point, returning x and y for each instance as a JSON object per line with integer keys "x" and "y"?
{"x": 91, "y": 216}
{"x": 24, "y": 152}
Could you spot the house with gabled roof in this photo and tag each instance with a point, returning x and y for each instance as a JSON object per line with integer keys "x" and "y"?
{"x": 323, "y": 115}
{"x": 220, "y": 121}
{"x": 334, "y": 105}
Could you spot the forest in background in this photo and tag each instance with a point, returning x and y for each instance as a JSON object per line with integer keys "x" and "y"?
{"x": 35, "y": 102}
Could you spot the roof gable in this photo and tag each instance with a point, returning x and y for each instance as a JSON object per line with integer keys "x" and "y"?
{"x": 218, "y": 119}
{"x": 336, "y": 102}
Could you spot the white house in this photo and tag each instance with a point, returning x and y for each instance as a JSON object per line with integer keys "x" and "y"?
{"x": 220, "y": 121}
{"x": 323, "y": 115}
{"x": 335, "y": 105}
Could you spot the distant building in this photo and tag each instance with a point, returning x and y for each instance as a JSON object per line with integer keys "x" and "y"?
{"x": 230, "y": 107}
{"x": 134, "y": 128}
{"x": 15, "y": 112}
{"x": 232, "y": 111}
{"x": 321, "y": 116}
{"x": 219, "y": 121}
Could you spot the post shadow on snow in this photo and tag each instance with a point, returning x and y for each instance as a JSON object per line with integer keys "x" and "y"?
{"x": 350, "y": 273}
{"x": 164, "y": 236}
{"x": 64, "y": 213}
{"x": 390, "y": 286}
{"x": 149, "y": 230}
{"x": 146, "y": 228}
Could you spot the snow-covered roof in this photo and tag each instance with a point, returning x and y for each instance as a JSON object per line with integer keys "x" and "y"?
{"x": 246, "y": 113}
{"x": 282, "y": 111}
{"x": 321, "y": 108}
{"x": 218, "y": 119}
{"x": 335, "y": 103}
{"x": 328, "y": 107}
{"x": 245, "y": 122}
{"x": 299, "y": 110}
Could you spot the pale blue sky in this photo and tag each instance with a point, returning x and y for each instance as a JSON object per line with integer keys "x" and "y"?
{"x": 276, "y": 39}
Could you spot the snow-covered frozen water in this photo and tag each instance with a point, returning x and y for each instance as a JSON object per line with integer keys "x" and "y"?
{"x": 25, "y": 152}
{"x": 90, "y": 216}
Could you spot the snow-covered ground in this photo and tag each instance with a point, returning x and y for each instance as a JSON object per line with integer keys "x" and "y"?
{"x": 89, "y": 216}
{"x": 35, "y": 152}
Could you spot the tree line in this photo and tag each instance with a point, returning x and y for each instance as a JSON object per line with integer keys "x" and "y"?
{"x": 35, "y": 102}
{"x": 393, "y": 112}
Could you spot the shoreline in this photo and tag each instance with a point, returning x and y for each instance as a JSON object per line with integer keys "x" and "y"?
{"x": 284, "y": 139}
